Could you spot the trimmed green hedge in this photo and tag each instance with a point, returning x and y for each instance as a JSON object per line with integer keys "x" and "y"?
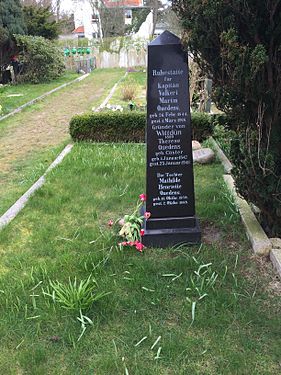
{"x": 127, "y": 126}
{"x": 108, "y": 127}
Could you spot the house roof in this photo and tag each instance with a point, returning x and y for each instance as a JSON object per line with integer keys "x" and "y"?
{"x": 79, "y": 30}
{"x": 123, "y": 3}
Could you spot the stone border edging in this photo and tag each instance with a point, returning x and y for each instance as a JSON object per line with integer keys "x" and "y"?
{"x": 275, "y": 257}
{"x": 261, "y": 244}
{"x": 220, "y": 154}
{"x": 259, "y": 240}
{"x": 109, "y": 96}
{"x": 20, "y": 108}
{"x": 12, "y": 212}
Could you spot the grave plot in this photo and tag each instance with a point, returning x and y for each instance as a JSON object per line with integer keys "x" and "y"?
{"x": 154, "y": 319}
{"x": 80, "y": 298}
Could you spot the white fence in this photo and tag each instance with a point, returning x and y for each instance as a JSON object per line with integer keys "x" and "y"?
{"x": 125, "y": 58}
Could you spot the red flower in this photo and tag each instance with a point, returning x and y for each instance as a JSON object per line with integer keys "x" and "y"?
{"x": 142, "y": 232}
{"x": 127, "y": 243}
{"x": 147, "y": 215}
{"x": 139, "y": 246}
{"x": 110, "y": 223}
{"x": 142, "y": 197}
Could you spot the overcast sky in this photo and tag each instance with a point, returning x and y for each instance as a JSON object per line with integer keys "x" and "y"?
{"x": 66, "y": 6}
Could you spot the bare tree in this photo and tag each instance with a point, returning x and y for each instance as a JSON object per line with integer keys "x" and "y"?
{"x": 169, "y": 17}
{"x": 57, "y": 9}
{"x": 154, "y": 6}
{"x": 111, "y": 20}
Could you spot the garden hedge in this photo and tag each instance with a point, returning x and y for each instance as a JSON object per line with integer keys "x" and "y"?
{"x": 127, "y": 126}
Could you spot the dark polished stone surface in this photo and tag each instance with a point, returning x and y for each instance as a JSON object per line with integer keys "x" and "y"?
{"x": 169, "y": 178}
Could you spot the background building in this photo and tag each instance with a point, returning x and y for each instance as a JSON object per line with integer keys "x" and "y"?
{"x": 88, "y": 17}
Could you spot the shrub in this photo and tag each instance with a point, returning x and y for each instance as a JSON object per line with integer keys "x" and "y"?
{"x": 125, "y": 126}
{"x": 43, "y": 61}
{"x": 223, "y": 133}
{"x": 202, "y": 126}
{"x": 258, "y": 177}
{"x": 223, "y": 120}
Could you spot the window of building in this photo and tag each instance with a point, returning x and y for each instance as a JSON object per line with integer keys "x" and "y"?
{"x": 95, "y": 18}
{"x": 128, "y": 13}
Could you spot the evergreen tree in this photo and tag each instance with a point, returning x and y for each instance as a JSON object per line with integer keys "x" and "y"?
{"x": 11, "y": 22}
{"x": 237, "y": 43}
{"x": 40, "y": 21}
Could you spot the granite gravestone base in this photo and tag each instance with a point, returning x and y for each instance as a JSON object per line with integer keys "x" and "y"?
{"x": 169, "y": 170}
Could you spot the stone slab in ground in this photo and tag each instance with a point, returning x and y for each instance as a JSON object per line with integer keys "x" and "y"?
{"x": 196, "y": 145}
{"x": 203, "y": 156}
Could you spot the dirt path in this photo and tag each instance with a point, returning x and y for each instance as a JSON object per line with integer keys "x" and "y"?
{"x": 47, "y": 126}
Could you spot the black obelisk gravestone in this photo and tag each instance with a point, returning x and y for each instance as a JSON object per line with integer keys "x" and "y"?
{"x": 169, "y": 173}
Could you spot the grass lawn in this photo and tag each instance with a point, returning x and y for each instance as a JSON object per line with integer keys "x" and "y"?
{"x": 133, "y": 79}
{"x": 13, "y": 96}
{"x": 147, "y": 324}
{"x": 31, "y": 140}
{"x": 23, "y": 174}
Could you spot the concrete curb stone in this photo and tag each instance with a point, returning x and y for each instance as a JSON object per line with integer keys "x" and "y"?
{"x": 259, "y": 240}
{"x": 12, "y": 212}
{"x": 261, "y": 244}
{"x": 220, "y": 154}
{"x": 275, "y": 257}
{"x": 109, "y": 96}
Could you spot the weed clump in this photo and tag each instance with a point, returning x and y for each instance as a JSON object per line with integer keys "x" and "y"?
{"x": 74, "y": 296}
{"x": 128, "y": 91}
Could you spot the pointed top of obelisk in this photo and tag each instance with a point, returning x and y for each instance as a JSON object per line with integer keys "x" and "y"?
{"x": 165, "y": 38}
